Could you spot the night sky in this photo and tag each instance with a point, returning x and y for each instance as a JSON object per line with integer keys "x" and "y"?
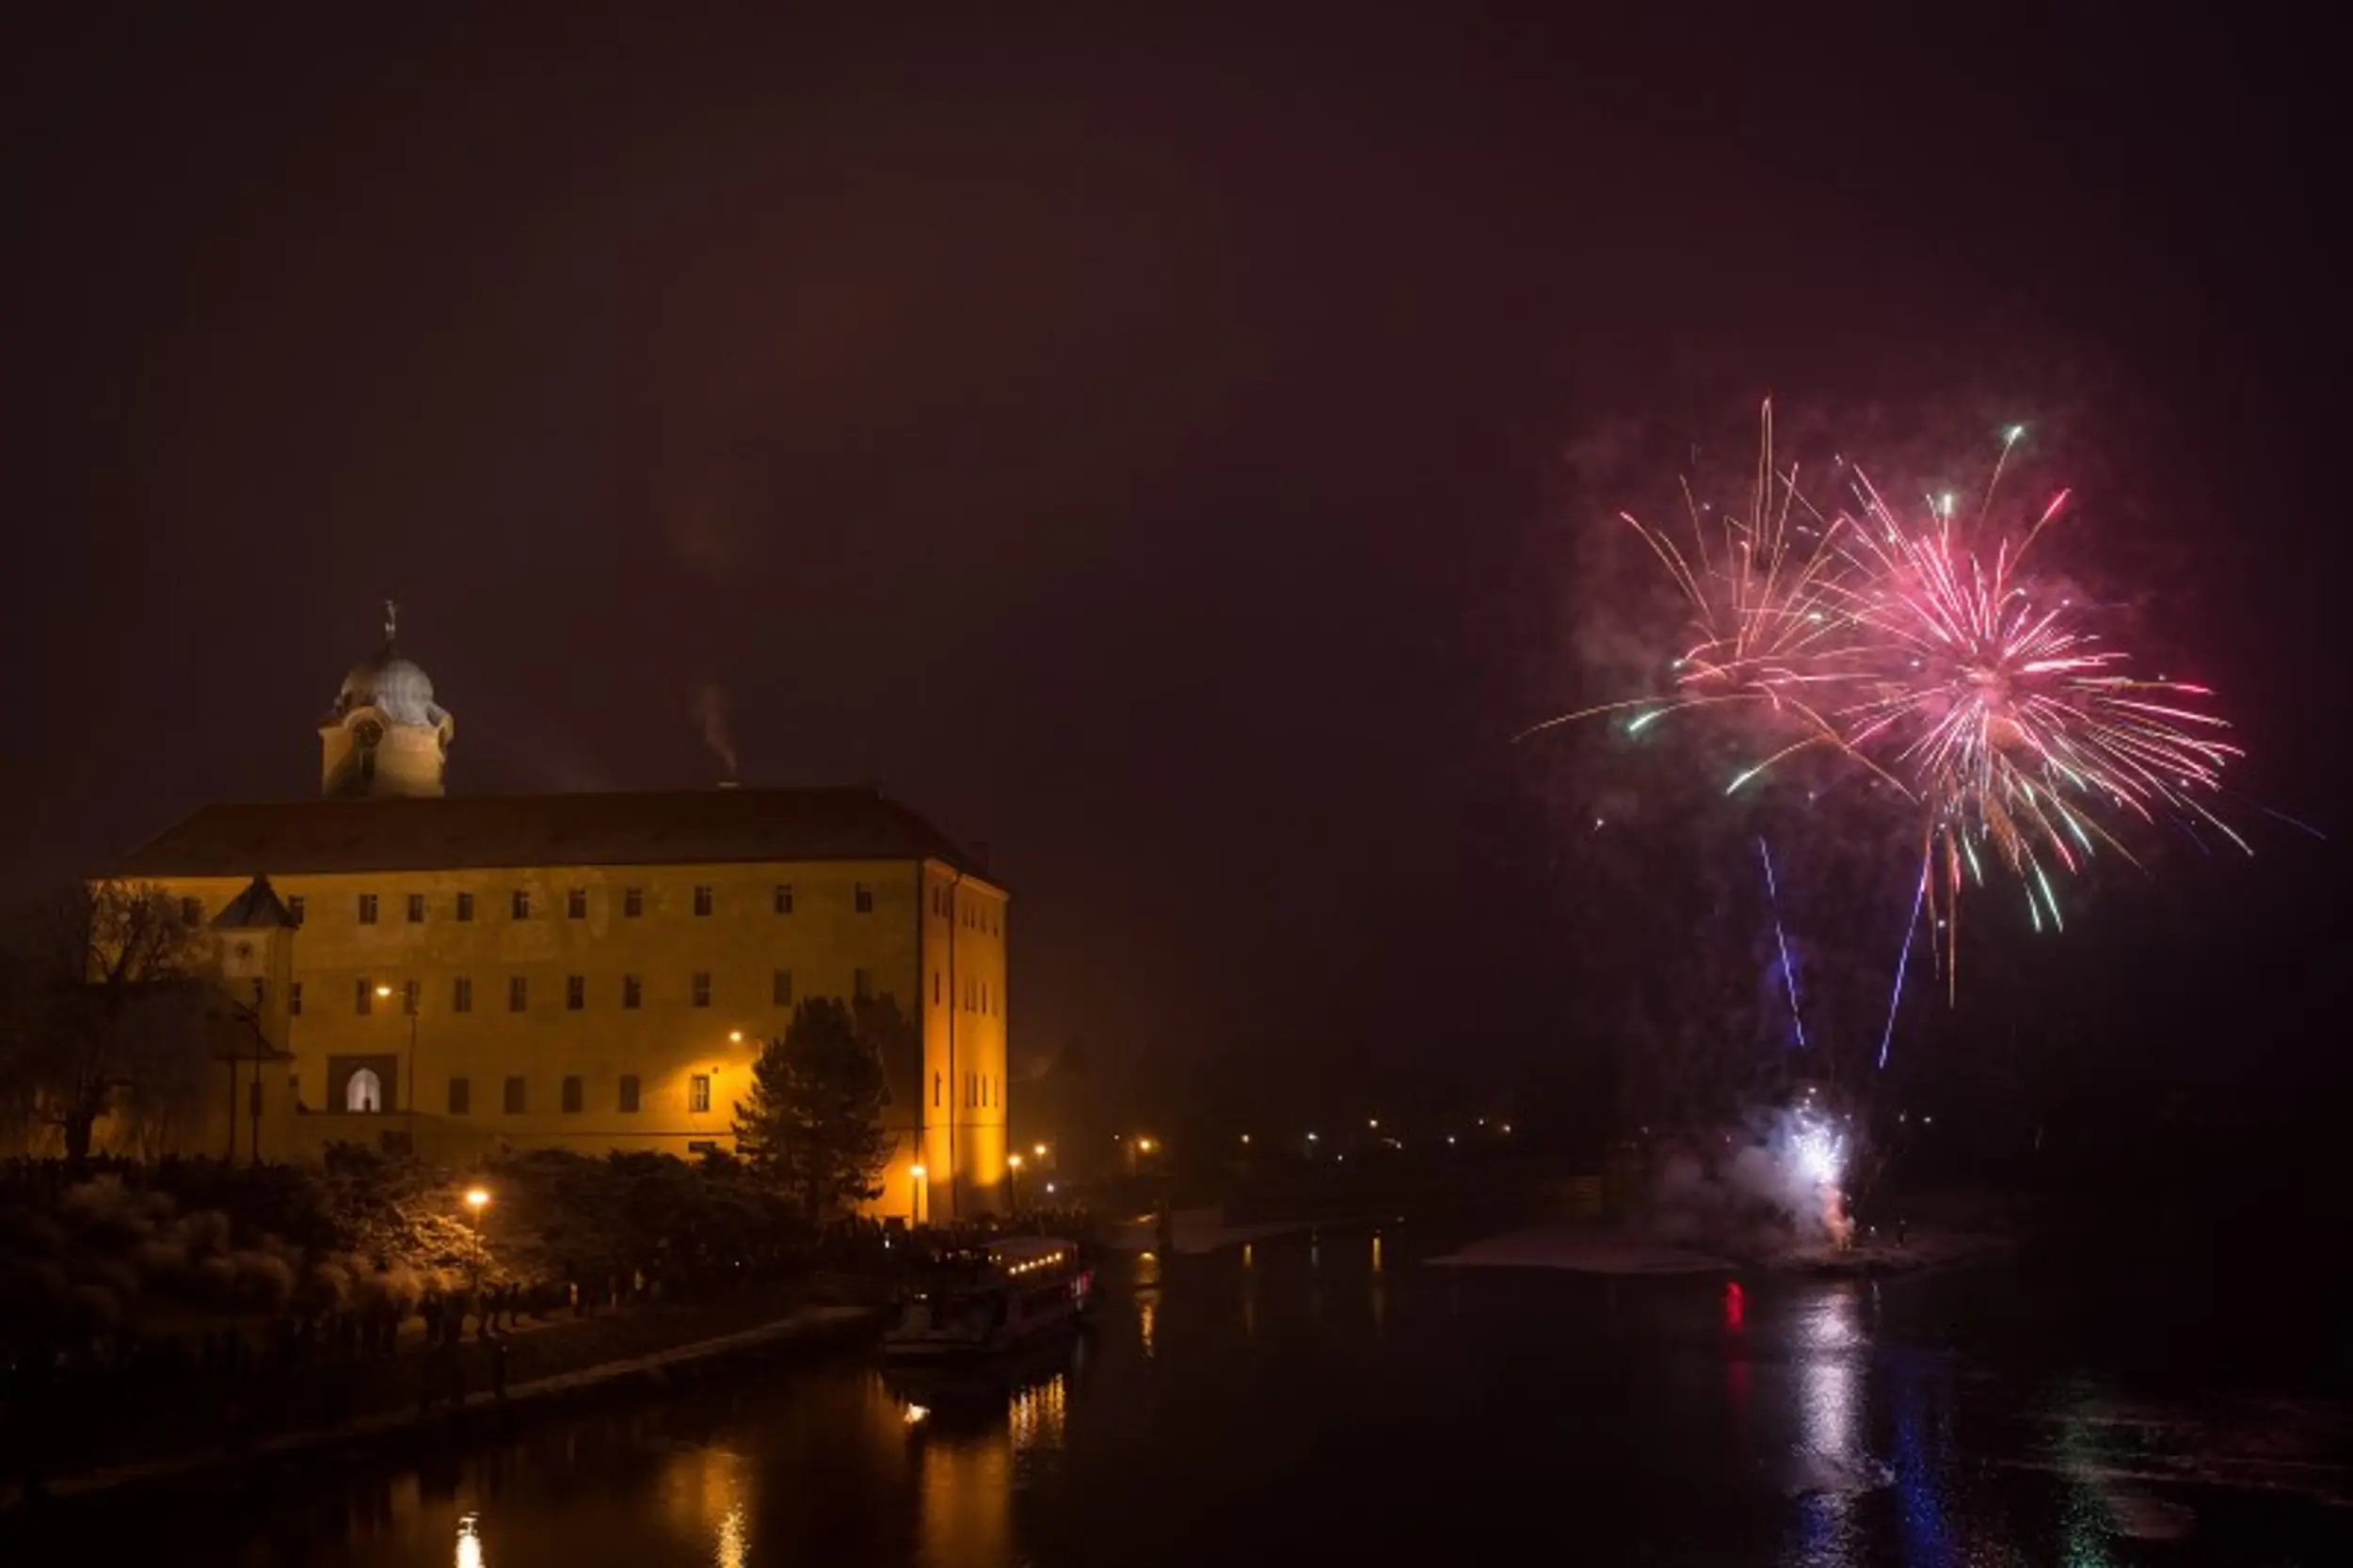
{"x": 1143, "y": 453}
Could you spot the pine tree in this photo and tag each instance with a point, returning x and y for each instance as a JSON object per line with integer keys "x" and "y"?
{"x": 812, "y": 1126}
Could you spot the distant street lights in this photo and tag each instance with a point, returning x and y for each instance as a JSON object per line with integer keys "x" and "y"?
{"x": 921, "y": 1191}
{"x": 1013, "y": 1189}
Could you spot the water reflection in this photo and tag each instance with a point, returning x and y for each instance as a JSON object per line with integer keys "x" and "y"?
{"x": 988, "y": 1435}
{"x": 1781, "y": 1420}
{"x": 732, "y": 1538}
{"x": 1036, "y": 1416}
{"x": 1147, "y": 1300}
{"x": 1831, "y": 1470}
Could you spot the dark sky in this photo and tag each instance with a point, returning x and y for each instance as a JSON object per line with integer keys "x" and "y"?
{"x": 1139, "y": 451}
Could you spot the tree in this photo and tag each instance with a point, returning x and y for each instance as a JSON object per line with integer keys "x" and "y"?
{"x": 812, "y": 1127}
{"x": 98, "y": 1007}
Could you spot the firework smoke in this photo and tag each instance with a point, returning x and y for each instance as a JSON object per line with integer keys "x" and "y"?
{"x": 1776, "y": 1180}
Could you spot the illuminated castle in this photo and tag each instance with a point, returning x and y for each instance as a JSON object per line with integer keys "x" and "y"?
{"x": 586, "y": 971}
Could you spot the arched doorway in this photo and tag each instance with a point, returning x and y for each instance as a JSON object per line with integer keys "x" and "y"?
{"x": 365, "y": 1091}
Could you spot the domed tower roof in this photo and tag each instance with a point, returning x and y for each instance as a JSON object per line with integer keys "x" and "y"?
{"x": 385, "y": 734}
{"x": 396, "y": 687}
{"x": 391, "y": 683}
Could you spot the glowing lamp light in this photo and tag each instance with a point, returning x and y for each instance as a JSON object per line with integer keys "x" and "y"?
{"x": 477, "y": 1199}
{"x": 383, "y": 990}
{"x": 1013, "y": 1162}
{"x": 1144, "y": 1145}
{"x": 914, "y": 1415}
{"x": 1039, "y": 1150}
{"x": 735, "y": 1036}
{"x": 918, "y": 1173}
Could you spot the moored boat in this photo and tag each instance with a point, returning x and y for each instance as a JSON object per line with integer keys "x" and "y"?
{"x": 989, "y": 1298}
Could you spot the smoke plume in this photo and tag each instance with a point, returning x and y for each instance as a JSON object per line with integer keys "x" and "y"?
{"x": 710, "y": 712}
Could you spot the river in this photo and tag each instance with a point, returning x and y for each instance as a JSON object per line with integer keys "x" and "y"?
{"x": 1330, "y": 1397}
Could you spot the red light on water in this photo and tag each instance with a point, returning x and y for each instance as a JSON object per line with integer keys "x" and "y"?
{"x": 1735, "y": 1306}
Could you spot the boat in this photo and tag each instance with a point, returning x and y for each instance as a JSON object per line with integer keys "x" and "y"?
{"x": 989, "y": 1298}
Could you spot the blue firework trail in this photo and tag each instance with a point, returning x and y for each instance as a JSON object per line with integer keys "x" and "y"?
{"x": 1788, "y": 973}
{"x": 1903, "y": 958}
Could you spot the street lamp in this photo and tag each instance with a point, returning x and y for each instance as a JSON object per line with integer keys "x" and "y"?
{"x": 1039, "y": 1150}
{"x": 917, "y": 1174}
{"x": 1013, "y": 1190}
{"x": 477, "y": 1199}
{"x": 410, "y": 1070}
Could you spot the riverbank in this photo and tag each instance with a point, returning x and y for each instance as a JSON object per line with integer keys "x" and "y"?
{"x": 430, "y": 1397}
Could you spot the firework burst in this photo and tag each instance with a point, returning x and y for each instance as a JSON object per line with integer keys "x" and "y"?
{"x": 1915, "y": 646}
{"x": 2018, "y": 731}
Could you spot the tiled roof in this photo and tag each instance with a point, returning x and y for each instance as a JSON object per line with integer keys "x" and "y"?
{"x": 631, "y": 828}
{"x": 254, "y": 909}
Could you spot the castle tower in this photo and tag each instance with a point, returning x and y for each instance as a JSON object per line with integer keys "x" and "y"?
{"x": 385, "y": 735}
{"x": 253, "y": 971}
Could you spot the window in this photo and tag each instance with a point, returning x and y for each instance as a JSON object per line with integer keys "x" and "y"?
{"x": 576, "y": 904}
{"x": 462, "y": 994}
{"x": 702, "y": 898}
{"x": 575, "y": 992}
{"x": 294, "y": 999}
{"x": 191, "y": 911}
{"x": 294, "y": 907}
{"x": 514, "y": 1096}
{"x": 632, "y": 992}
{"x": 416, "y": 908}
{"x": 364, "y": 1093}
{"x": 780, "y": 988}
{"x": 572, "y": 1097}
{"x": 702, "y": 1146}
{"x": 935, "y": 1091}
{"x": 519, "y": 903}
{"x": 517, "y": 993}
{"x": 629, "y": 1094}
{"x": 465, "y": 906}
{"x": 461, "y": 1097}
{"x": 935, "y": 988}
{"x": 698, "y": 1093}
{"x": 862, "y": 984}
{"x": 367, "y": 908}
{"x": 784, "y": 898}
{"x": 364, "y": 997}
{"x": 633, "y": 903}
{"x": 702, "y": 987}
{"x": 865, "y": 898}
{"x": 408, "y": 998}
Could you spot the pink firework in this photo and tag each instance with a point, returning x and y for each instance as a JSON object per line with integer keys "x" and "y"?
{"x": 1918, "y": 649}
{"x": 2021, "y": 734}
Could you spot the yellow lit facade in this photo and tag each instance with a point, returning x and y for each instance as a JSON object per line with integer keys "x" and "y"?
{"x": 599, "y": 972}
